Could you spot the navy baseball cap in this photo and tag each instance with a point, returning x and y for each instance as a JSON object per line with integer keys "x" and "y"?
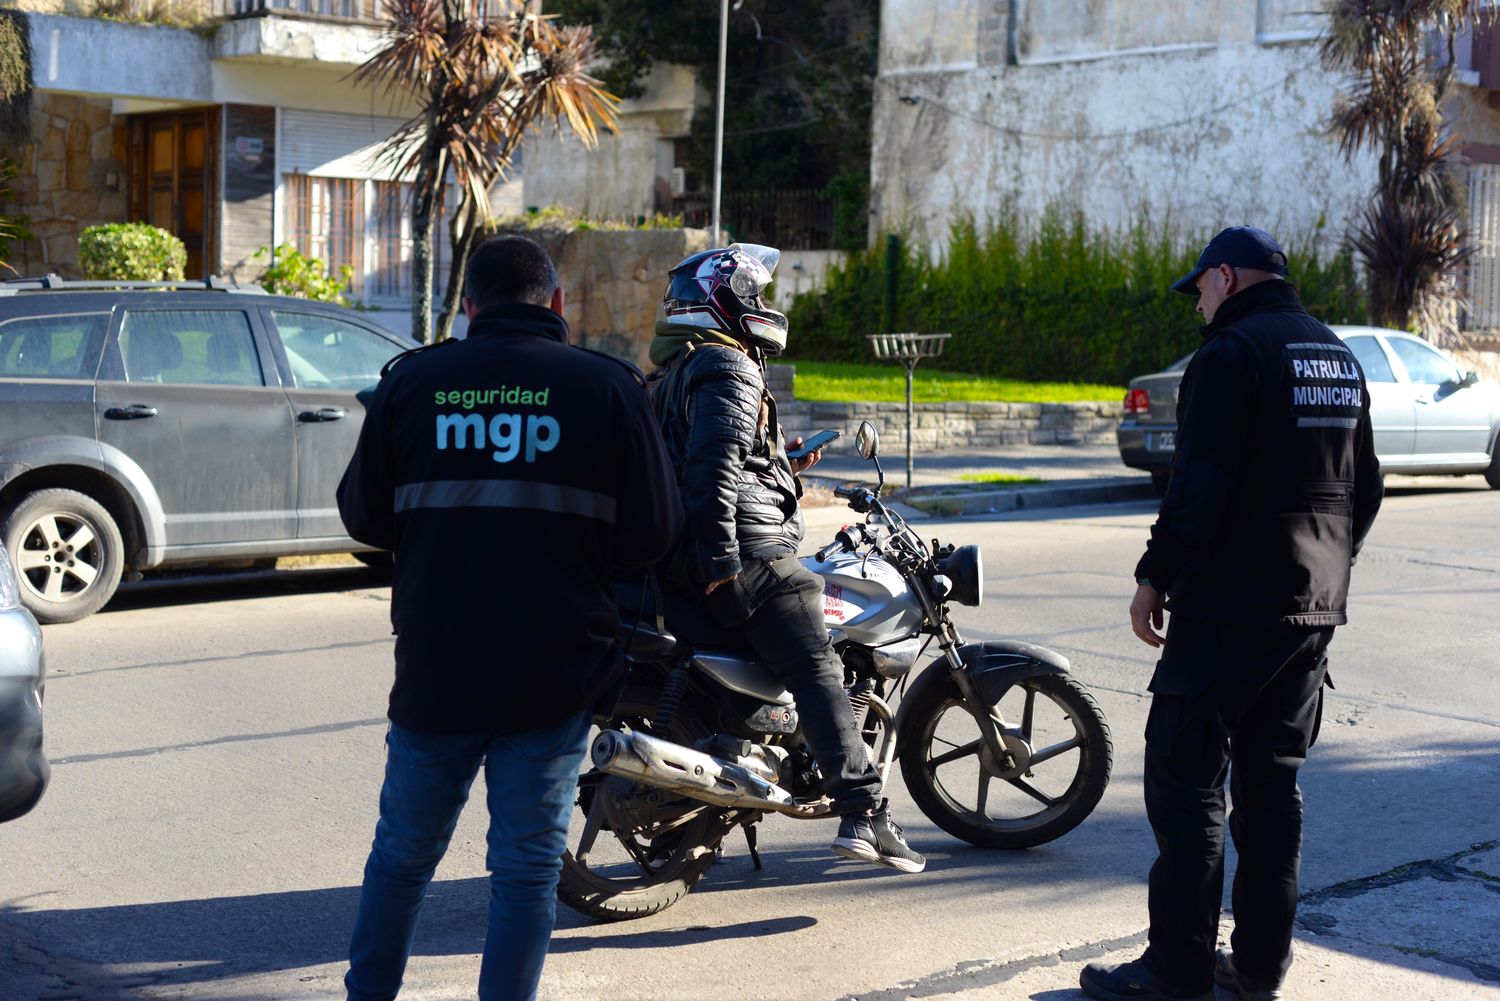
{"x": 1238, "y": 247}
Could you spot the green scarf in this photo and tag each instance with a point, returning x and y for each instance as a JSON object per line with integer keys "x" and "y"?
{"x": 673, "y": 337}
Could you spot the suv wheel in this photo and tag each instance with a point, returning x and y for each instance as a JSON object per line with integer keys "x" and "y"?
{"x": 1492, "y": 474}
{"x": 68, "y": 554}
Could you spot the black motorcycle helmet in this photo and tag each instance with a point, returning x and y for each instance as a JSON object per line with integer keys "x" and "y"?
{"x": 722, "y": 290}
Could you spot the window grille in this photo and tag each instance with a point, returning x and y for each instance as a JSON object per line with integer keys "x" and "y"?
{"x": 1482, "y": 312}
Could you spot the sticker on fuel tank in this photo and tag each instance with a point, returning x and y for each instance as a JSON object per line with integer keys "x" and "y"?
{"x": 833, "y": 602}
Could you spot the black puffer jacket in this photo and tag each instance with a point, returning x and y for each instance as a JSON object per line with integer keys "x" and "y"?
{"x": 737, "y": 487}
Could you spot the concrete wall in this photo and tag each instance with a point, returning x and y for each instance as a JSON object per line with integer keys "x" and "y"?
{"x": 72, "y": 176}
{"x": 626, "y": 175}
{"x": 803, "y": 271}
{"x": 1206, "y": 114}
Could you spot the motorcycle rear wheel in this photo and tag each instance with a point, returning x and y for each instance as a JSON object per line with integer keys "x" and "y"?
{"x": 950, "y": 775}
{"x": 661, "y": 849}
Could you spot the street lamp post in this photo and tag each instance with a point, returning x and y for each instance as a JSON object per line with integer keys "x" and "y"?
{"x": 719, "y": 118}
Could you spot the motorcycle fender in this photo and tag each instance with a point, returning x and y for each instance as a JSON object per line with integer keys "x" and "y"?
{"x": 993, "y": 666}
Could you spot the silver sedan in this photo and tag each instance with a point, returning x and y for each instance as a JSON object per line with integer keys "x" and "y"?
{"x": 1429, "y": 417}
{"x": 23, "y": 676}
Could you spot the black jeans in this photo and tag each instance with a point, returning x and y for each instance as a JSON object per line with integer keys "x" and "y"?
{"x": 776, "y": 606}
{"x": 1255, "y": 719}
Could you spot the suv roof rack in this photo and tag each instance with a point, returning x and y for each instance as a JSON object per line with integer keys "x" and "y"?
{"x": 54, "y": 282}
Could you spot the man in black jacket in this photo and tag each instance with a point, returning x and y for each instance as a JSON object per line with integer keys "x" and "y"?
{"x": 744, "y": 524}
{"x": 1274, "y": 485}
{"x": 507, "y": 473}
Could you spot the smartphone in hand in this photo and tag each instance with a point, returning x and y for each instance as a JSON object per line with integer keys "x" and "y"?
{"x": 813, "y": 443}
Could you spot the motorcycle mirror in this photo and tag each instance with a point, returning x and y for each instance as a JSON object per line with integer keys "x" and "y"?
{"x": 867, "y": 439}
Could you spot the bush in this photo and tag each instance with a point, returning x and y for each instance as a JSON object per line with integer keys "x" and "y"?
{"x": 131, "y": 251}
{"x": 1056, "y": 301}
{"x": 561, "y": 219}
{"x": 305, "y": 277}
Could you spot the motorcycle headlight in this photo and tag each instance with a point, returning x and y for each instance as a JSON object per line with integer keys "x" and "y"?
{"x": 965, "y": 568}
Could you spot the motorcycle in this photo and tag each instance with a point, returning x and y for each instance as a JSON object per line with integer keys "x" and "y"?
{"x": 998, "y": 744}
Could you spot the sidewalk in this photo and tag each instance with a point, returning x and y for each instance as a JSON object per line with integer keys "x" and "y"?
{"x": 1069, "y": 475}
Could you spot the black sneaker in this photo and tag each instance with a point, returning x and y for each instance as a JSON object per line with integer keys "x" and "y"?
{"x": 1228, "y": 977}
{"x": 874, "y": 837}
{"x": 1130, "y": 981}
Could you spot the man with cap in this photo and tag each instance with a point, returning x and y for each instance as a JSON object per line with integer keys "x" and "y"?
{"x": 1273, "y": 487}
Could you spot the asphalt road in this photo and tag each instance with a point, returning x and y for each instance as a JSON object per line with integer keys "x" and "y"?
{"x": 217, "y": 755}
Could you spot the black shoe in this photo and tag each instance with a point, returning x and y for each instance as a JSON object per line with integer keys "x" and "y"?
{"x": 874, "y": 837}
{"x": 1130, "y": 982}
{"x": 1228, "y": 977}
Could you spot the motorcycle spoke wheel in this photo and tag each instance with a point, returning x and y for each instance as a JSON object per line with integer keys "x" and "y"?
{"x": 634, "y": 850}
{"x": 1060, "y": 762}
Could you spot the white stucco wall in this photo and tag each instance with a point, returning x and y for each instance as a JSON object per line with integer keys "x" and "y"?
{"x": 1114, "y": 107}
{"x": 618, "y": 179}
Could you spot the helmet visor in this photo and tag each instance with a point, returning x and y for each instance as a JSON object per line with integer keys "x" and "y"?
{"x": 755, "y": 264}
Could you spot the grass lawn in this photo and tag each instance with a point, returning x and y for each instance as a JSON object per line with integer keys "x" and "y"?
{"x": 1002, "y": 478}
{"x": 839, "y": 382}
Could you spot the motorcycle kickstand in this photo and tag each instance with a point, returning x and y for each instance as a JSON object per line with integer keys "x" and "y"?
{"x": 751, "y": 838}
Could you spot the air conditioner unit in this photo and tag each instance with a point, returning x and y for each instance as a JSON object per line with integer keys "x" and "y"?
{"x": 679, "y": 182}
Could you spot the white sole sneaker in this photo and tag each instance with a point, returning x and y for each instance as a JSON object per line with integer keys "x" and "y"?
{"x": 862, "y": 851}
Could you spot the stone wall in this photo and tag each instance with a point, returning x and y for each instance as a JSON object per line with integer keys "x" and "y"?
{"x": 960, "y": 425}
{"x": 72, "y": 176}
{"x": 613, "y": 282}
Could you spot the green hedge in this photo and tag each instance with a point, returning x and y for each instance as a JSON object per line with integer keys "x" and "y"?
{"x": 130, "y": 251}
{"x": 1054, "y": 301}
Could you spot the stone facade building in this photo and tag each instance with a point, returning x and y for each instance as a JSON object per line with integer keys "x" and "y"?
{"x": 234, "y": 125}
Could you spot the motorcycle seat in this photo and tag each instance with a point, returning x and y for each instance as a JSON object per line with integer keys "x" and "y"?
{"x": 687, "y": 624}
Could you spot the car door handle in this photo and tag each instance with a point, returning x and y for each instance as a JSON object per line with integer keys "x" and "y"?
{"x": 321, "y": 414}
{"x": 1424, "y": 401}
{"x": 133, "y": 412}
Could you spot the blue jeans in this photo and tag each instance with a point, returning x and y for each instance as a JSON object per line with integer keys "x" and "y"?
{"x": 530, "y": 780}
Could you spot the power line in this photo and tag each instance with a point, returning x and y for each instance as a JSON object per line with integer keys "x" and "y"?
{"x": 1088, "y": 137}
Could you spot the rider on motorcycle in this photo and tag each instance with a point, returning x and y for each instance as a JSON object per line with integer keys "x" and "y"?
{"x": 744, "y": 523}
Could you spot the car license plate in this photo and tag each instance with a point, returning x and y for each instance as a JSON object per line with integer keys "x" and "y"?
{"x": 1162, "y": 441}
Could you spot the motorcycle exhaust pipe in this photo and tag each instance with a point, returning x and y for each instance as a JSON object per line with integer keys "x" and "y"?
{"x": 687, "y": 772}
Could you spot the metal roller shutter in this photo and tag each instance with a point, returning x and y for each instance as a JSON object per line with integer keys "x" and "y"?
{"x": 329, "y": 144}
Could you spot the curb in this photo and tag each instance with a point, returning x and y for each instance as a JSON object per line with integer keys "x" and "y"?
{"x": 1027, "y": 498}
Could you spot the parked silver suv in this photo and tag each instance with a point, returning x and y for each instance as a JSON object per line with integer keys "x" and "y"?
{"x": 1429, "y": 417}
{"x": 143, "y": 427}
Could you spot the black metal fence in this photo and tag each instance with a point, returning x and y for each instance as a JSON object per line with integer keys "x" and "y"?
{"x": 788, "y": 220}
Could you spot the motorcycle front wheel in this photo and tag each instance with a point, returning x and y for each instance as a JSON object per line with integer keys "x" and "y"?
{"x": 634, "y": 850}
{"x": 1060, "y": 764}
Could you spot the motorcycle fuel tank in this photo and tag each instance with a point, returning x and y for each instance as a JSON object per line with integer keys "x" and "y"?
{"x": 866, "y": 599}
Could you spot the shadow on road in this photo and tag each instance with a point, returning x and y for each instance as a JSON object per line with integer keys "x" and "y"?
{"x": 1366, "y": 814}
{"x": 199, "y": 587}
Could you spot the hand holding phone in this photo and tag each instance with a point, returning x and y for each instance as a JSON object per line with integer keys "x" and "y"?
{"x": 812, "y": 444}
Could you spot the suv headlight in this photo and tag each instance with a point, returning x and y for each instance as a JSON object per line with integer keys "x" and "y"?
{"x": 10, "y": 587}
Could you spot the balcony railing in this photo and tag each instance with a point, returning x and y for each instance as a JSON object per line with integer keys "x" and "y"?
{"x": 367, "y": 11}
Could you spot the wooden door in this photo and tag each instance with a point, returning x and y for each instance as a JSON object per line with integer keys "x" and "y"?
{"x": 172, "y": 179}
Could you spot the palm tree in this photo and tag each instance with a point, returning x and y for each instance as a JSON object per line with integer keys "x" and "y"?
{"x": 481, "y": 81}
{"x": 1411, "y": 237}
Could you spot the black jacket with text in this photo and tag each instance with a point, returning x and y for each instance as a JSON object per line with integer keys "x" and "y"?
{"x": 508, "y": 472}
{"x": 1274, "y": 482}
